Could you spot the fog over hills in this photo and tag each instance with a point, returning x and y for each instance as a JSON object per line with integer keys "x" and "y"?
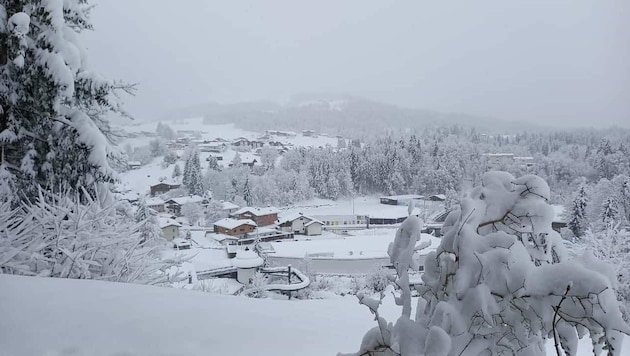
{"x": 338, "y": 114}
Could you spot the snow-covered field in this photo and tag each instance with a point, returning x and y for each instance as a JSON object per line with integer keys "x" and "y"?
{"x": 364, "y": 205}
{"x": 358, "y": 254}
{"x": 364, "y": 244}
{"x": 46, "y": 316}
{"x": 225, "y": 131}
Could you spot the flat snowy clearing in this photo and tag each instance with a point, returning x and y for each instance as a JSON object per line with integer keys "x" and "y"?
{"x": 46, "y": 316}
{"x": 361, "y": 244}
{"x": 366, "y": 205}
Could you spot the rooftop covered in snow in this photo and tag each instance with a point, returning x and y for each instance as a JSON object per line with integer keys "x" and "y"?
{"x": 257, "y": 211}
{"x": 230, "y": 223}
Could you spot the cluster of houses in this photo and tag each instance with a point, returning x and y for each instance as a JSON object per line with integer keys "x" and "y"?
{"x": 250, "y": 224}
{"x": 495, "y": 161}
{"x": 242, "y": 225}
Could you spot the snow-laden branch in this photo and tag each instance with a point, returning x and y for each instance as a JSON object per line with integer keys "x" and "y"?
{"x": 503, "y": 290}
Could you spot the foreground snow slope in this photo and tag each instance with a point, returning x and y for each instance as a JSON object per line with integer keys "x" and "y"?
{"x": 46, "y": 316}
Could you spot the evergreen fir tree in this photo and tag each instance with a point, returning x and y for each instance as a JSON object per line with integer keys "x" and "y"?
{"x": 247, "y": 194}
{"x": 578, "y": 221}
{"x": 213, "y": 163}
{"x": 186, "y": 174}
{"x": 610, "y": 212}
{"x": 236, "y": 161}
{"x": 195, "y": 179}
{"x": 176, "y": 171}
{"x": 53, "y": 127}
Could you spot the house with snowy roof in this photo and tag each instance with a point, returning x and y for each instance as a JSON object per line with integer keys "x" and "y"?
{"x": 261, "y": 216}
{"x": 401, "y": 199}
{"x": 134, "y": 164}
{"x": 437, "y": 197}
{"x": 131, "y": 197}
{"x": 234, "y": 227}
{"x": 169, "y": 227}
{"x": 247, "y": 159}
{"x": 213, "y": 146}
{"x": 156, "y": 204}
{"x": 174, "y": 205}
{"x": 300, "y": 224}
{"x": 228, "y": 207}
{"x": 161, "y": 188}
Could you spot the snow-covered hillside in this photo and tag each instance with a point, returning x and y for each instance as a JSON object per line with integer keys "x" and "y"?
{"x": 48, "y": 316}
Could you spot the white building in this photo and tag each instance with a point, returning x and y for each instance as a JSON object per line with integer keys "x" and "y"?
{"x": 170, "y": 228}
{"x": 300, "y": 224}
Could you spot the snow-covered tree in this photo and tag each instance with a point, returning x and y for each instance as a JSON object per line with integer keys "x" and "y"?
{"x": 148, "y": 226}
{"x": 170, "y": 157}
{"x": 341, "y": 143}
{"x": 500, "y": 283}
{"x": 236, "y": 161}
{"x": 85, "y": 237}
{"x": 187, "y": 166}
{"x": 177, "y": 172}
{"x": 165, "y": 131}
{"x": 247, "y": 194}
{"x": 213, "y": 163}
{"x": 192, "y": 177}
{"x": 53, "y": 127}
{"x": 268, "y": 156}
{"x": 157, "y": 147}
{"x": 193, "y": 212}
{"x": 613, "y": 246}
{"x": 610, "y": 212}
{"x": 578, "y": 222}
{"x": 214, "y": 212}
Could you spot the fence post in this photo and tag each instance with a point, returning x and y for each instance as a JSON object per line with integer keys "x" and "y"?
{"x": 289, "y": 269}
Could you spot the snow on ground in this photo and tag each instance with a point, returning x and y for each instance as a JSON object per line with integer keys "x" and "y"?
{"x": 370, "y": 206}
{"x": 361, "y": 245}
{"x": 349, "y": 255}
{"x": 47, "y": 316}
{"x": 140, "y": 180}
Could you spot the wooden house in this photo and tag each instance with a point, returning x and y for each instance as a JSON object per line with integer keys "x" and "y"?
{"x": 300, "y": 224}
{"x": 162, "y": 188}
{"x": 261, "y": 216}
{"x": 234, "y": 227}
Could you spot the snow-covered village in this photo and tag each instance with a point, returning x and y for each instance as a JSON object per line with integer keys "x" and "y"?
{"x": 325, "y": 178}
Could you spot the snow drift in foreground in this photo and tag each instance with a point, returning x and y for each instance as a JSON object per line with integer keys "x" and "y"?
{"x": 48, "y": 316}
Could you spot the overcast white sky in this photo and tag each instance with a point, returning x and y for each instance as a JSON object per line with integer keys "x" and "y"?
{"x": 549, "y": 61}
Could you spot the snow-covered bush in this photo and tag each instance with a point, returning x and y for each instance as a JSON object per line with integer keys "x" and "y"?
{"x": 208, "y": 286}
{"x": 255, "y": 287}
{"x": 377, "y": 280}
{"x": 613, "y": 246}
{"x": 500, "y": 283}
{"x": 60, "y": 236}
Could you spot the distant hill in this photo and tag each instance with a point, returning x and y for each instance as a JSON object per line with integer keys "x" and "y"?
{"x": 338, "y": 114}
